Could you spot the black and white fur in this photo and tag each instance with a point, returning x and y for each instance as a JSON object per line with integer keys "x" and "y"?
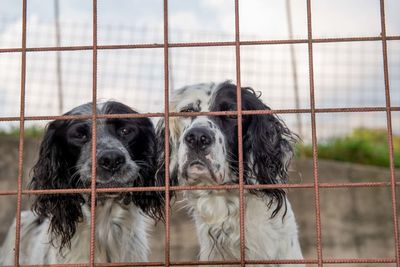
{"x": 57, "y": 230}
{"x": 204, "y": 151}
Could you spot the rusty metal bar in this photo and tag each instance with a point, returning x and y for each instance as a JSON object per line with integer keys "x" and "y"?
{"x": 211, "y": 113}
{"x": 201, "y": 44}
{"x": 166, "y": 137}
{"x": 190, "y": 188}
{"x": 94, "y": 140}
{"x": 314, "y": 134}
{"x": 21, "y": 136}
{"x": 316, "y": 185}
{"x": 389, "y": 132}
{"x": 228, "y": 263}
{"x": 240, "y": 138}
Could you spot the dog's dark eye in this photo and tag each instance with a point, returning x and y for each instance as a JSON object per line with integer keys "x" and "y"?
{"x": 187, "y": 109}
{"x": 228, "y": 107}
{"x": 232, "y": 117}
{"x": 78, "y": 134}
{"x": 126, "y": 133}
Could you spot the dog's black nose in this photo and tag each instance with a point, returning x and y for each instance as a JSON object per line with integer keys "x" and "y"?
{"x": 111, "y": 160}
{"x": 199, "y": 138}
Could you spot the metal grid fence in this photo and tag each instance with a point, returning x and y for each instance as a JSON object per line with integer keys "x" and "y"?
{"x": 237, "y": 44}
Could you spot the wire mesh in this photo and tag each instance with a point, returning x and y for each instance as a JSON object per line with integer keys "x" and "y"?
{"x": 237, "y": 44}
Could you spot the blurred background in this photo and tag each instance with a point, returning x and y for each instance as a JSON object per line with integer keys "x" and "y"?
{"x": 352, "y": 147}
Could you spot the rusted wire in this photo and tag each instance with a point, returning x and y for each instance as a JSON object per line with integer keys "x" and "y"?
{"x": 314, "y": 135}
{"x": 166, "y": 137}
{"x": 201, "y": 44}
{"x": 211, "y": 113}
{"x": 237, "y": 43}
{"x": 21, "y": 136}
{"x": 230, "y": 262}
{"x": 240, "y": 137}
{"x": 389, "y": 132}
{"x": 94, "y": 140}
{"x": 191, "y": 188}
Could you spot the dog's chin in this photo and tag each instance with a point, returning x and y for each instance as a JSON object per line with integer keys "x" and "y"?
{"x": 198, "y": 172}
{"x": 113, "y": 181}
{"x": 112, "y": 184}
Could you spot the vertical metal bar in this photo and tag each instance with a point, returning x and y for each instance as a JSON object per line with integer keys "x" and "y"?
{"x": 294, "y": 67}
{"x": 94, "y": 140}
{"x": 58, "y": 59}
{"x": 240, "y": 137}
{"x": 21, "y": 136}
{"x": 166, "y": 136}
{"x": 389, "y": 131}
{"x": 314, "y": 134}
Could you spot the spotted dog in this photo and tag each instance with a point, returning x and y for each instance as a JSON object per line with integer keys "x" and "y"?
{"x": 204, "y": 151}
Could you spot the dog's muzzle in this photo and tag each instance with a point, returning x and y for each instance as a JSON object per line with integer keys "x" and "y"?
{"x": 199, "y": 140}
{"x": 111, "y": 160}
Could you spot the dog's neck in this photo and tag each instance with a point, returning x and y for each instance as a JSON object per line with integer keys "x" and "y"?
{"x": 216, "y": 214}
{"x": 120, "y": 234}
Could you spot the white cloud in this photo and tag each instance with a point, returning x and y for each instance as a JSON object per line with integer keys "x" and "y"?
{"x": 184, "y": 20}
{"x": 136, "y": 76}
{"x": 346, "y": 18}
{"x": 11, "y": 34}
{"x": 220, "y": 4}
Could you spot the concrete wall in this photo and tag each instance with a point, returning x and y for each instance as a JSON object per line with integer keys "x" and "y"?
{"x": 9, "y": 176}
{"x": 356, "y": 222}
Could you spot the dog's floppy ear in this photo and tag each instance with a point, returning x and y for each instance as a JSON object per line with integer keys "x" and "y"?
{"x": 269, "y": 145}
{"x": 151, "y": 202}
{"x": 160, "y": 173}
{"x": 53, "y": 171}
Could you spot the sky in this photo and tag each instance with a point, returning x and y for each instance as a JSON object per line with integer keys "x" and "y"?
{"x": 346, "y": 74}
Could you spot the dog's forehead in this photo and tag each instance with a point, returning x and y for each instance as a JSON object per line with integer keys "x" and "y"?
{"x": 108, "y": 107}
{"x": 196, "y": 96}
{"x": 84, "y": 109}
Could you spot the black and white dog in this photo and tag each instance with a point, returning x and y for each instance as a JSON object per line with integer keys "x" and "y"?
{"x": 58, "y": 229}
{"x": 204, "y": 151}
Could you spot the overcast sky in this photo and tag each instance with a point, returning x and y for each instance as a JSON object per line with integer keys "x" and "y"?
{"x": 264, "y": 18}
{"x": 137, "y": 76}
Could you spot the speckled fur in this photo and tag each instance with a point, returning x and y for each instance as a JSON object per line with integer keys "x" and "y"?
{"x": 121, "y": 235}
{"x": 268, "y": 236}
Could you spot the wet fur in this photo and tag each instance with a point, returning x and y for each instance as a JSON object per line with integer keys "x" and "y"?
{"x": 57, "y": 230}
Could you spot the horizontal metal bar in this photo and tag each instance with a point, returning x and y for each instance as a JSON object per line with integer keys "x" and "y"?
{"x": 203, "y": 263}
{"x": 192, "y": 114}
{"x": 191, "y": 188}
{"x": 199, "y": 44}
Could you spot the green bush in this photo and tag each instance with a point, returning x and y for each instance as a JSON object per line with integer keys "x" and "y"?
{"x": 365, "y": 146}
{"x": 30, "y": 132}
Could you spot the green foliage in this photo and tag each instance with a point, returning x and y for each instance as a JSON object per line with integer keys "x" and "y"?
{"x": 365, "y": 146}
{"x": 31, "y": 132}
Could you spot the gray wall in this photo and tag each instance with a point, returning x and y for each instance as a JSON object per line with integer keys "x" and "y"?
{"x": 356, "y": 222}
